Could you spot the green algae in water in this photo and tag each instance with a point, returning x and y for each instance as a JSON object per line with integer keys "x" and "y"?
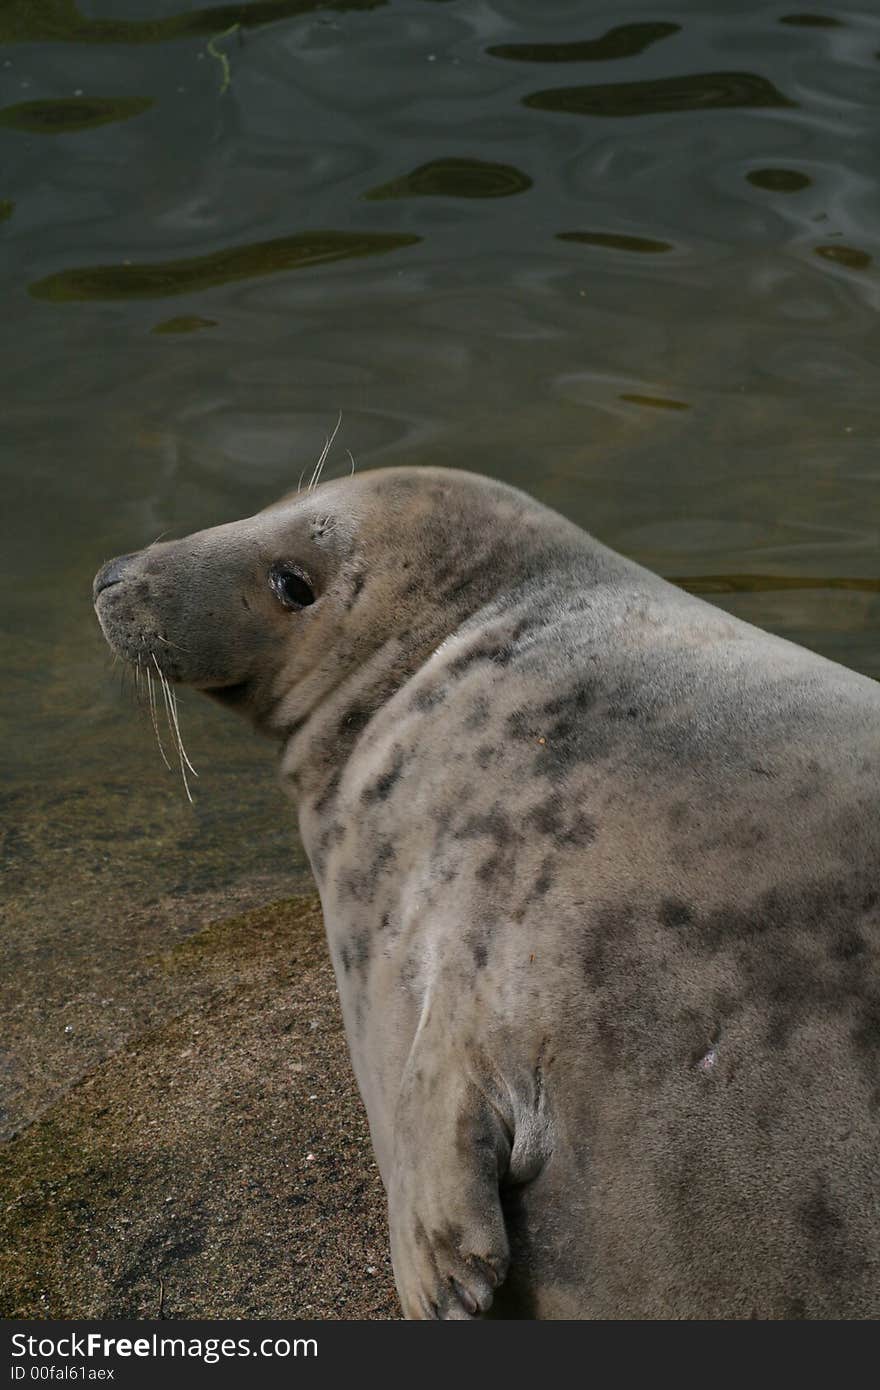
{"x": 455, "y": 178}
{"x": 701, "y": 91}
{"x": 771, "y": 583}
{"x": 779, "y": 180}
{"x": 616, "y": 241}
{"x": 625, "y": 41}
{"x": 655, "y": 402}
{"x": 849, "y": 256}
{"x": 60, "y": 21}
{"x": 159, "y": 279}
{"x": 184, "y": 323}
{"x": 7, "y": 208}
{"x": 812, "y": 21}
{"x": 61, "y": 115}
{"x": 222, "y": 58}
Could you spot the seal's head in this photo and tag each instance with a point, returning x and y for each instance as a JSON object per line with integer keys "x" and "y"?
{"x": 367, "y": 574}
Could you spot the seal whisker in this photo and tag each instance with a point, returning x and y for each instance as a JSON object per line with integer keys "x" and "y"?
{"x": 168, "y": 643}
{"x": 319, "y": 466}
{"x": 173, "y": 727}
{"x": 174, "y": 715}
{"x": 351, "y": 456}
{"x": 152, "y": 699}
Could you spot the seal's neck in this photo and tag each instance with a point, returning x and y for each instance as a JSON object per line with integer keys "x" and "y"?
{"x": 320, "y": 740}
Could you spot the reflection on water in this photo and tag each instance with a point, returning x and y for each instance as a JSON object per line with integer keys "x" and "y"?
{"x": 626, "y": 41}
{"x": 617, "y": 241}
{"x": 163, "y": 278}
{"x": 702, "y": 91}
{"x": 779, "y": 180}
{"x": 654, "y": 402}
{"x": 812, "y": 21}
{"x": 670, "y": 333}
{"x": 73, "y": 113}
{"x": 771, "y": 583}
{"x": 61, "y": 21}
{"x": 184, "y": 323}
{"x": 455, "y": 178}
{"x": 849, "y": 256}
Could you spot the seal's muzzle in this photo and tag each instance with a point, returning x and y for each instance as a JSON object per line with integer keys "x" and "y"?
{"x": 112, "y": 573}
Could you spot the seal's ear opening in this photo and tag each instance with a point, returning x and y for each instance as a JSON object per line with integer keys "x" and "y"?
{"x": 290, "y": 586}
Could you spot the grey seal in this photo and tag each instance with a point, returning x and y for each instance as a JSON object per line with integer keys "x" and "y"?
{"x": 600, "y": 868}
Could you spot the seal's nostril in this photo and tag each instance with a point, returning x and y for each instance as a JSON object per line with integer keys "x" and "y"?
{"x": 111, "y": 573}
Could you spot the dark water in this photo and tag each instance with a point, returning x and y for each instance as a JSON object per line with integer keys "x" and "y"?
{"x": 624, "y": 256}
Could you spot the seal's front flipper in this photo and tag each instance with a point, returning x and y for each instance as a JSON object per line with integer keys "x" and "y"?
{"x": 451, "y": 1151}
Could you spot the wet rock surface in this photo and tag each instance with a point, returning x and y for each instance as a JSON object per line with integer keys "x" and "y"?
{"x": 216, "y": 1165}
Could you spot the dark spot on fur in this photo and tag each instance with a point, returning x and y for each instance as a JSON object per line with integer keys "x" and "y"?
{"x": 456, "y": 590}
{"x": 499, "y": 653}
{"x": 579, "y": 698}
{"x": 674, "y": 913}
{"x": 544, "y": 881}
{"x": 799, "y": 955}
{"x": 359, "y": 884}
{"x": 606, "y": 942}
{"x": 551, "y": 817}
{"x": 616, "y": 712}
{"x": 381, "y": 789}
{"x": 521, "y": 725}
{"x": 495, "y": 823}
{"x": 817, "y": 1215}
{"x": 489, "y": 869}
{"x": 336, "y": 750}
{"x": 836, "y": 1258}
{"x": 428, "y": 699}
{"x": 353, "y": 721}
{"x": 328, "y": 792}
{"x": 486, "y": 754}
{"x": 848, "y": 946}
{"x": 866, "y": 1034}
{"x": 565, "y": 728}
{"x": 361, "y": 950}
{"x": 385, "y": 854}
{"x": 480, "y": 713}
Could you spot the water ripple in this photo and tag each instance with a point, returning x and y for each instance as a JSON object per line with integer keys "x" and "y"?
{"x": 455, "y": 178}
{"x": 64, "y": 114}
{"x": 812, "y": 21}
{"x": 617, "y": 241}
{"x": 159, "y": 279}
{"x": 703, "y": 91}
{"x": 624, "y": 41}
{"x": 54, "y": 21}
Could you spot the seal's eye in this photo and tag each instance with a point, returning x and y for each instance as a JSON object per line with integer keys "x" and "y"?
{"x": 290, "y": 586}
